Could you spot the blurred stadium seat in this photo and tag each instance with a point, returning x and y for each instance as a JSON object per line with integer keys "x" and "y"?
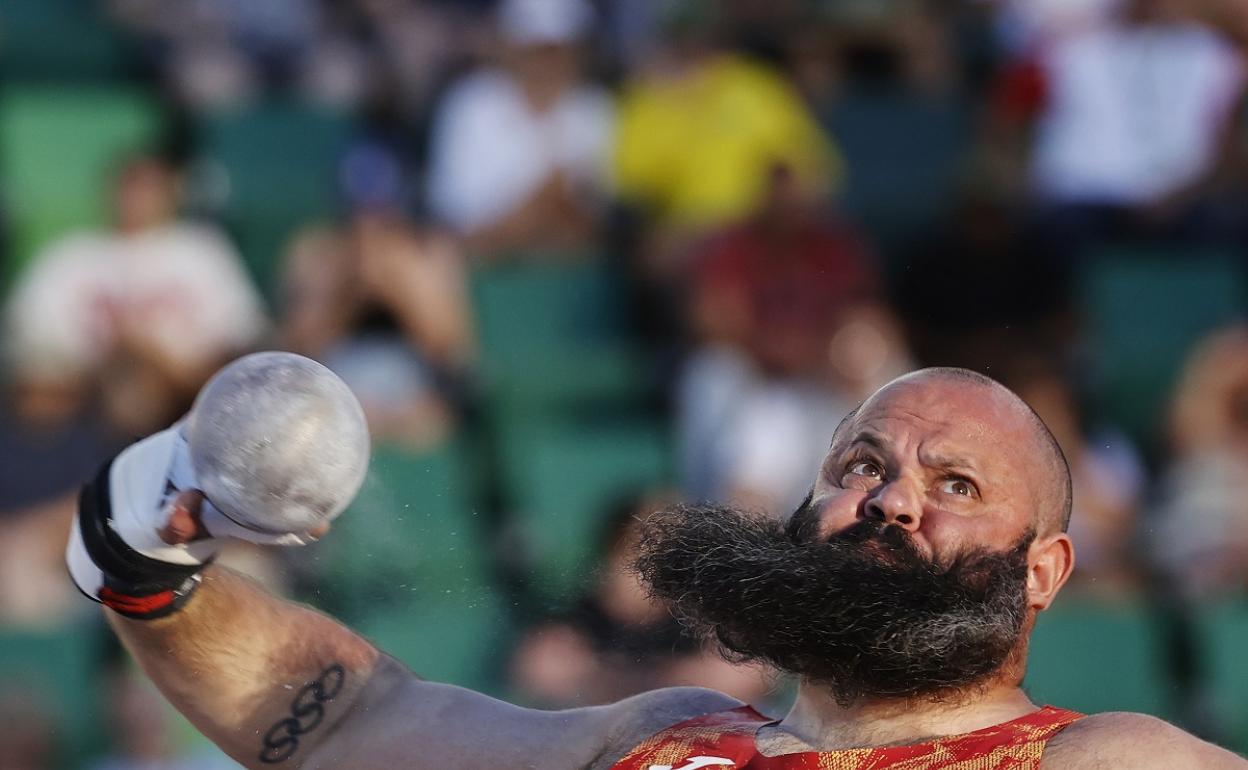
{"x": 1099, "y": 657}
{"x": 562, "y": 478}
{"x": 554, "y": 333}
{"x": 903, "y": 154}
{"x": 563, "y": 382}
{"x": 1223, "y": 627}
{"x": 1144, "y": 309}
{"x": 414, "y": 530}
{"x": 454, "y": 639}
{"x": 410, "y": 565}
{"x": 59, "y": 39}
{"x": 57, "y": 670}
{"x": 275, "y": 166}
{"x": 58, "y": 146}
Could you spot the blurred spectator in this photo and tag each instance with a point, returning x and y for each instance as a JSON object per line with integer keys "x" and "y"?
{"x": 52, "y": 438}
{"x": 701, "y": 130}
{"x": 616, "y": 641}
{"x": 216, "y": 54}
{"x": 1131, "y": 104}
{"x": 27, "y": 731}
{"x": 1201, "y": 535}
{"x": 110, "y": 335}
{"x": 980, "y": 288}
{"x": 628, "y": 32}
{"x": 884, "y": 79}
{"x": 419, "y": 44}
{"x": 892, "y": 44}
{"x": 786, "y": 310}
{"x": 1107, "y": 477}
{"x": 385, "y": 308}
{"x": 147, "y": 310}
{"x": 518, "y": 153}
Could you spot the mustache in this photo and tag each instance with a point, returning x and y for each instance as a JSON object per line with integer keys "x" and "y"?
{"x": 802, "y": 528}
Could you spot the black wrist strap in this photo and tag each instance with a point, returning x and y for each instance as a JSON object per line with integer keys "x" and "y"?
{"x": 135, "y": 585}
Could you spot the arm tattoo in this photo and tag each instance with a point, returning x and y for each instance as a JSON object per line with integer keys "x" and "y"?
{"x": 307, "y": 711}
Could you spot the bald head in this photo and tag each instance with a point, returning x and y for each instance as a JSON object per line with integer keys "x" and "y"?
{"x": 1053, "y": 481}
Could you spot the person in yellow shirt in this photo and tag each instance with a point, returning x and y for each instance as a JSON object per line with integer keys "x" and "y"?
{"x": 698, "y": 139}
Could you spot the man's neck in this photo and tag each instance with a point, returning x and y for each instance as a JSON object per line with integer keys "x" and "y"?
{"x": 818, "y": 723}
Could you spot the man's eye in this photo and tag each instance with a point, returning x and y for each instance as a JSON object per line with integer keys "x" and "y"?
{"x": 866, "y": 468}
{"x": 958, "y": 487}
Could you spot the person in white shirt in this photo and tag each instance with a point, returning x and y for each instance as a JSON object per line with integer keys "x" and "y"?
{"x": 145, "y": 310}
{"x": 1135, "y": 99}
{"x": 518, "y": 152}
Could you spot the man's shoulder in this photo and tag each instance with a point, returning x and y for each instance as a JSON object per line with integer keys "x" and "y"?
{"x": 635, "y": 719}
{"x": 1129, "y": 740}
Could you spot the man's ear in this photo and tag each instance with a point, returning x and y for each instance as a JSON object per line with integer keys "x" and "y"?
{"x": 1049, "y": 563}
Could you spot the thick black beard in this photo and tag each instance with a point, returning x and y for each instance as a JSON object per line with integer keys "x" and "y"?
{"x": 863, "y": 613}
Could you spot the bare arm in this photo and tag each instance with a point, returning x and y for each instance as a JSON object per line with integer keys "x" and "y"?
{"x": 234, "y": 659}
{"x": 274, "y": 683}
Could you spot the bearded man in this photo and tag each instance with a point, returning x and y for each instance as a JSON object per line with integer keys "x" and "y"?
{"x": 901, "y": 594}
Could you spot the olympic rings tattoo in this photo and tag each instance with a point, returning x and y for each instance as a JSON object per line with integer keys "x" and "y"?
{"x": 306, "y": 714}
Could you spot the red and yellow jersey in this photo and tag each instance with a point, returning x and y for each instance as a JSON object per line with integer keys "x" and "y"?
{"x": 726, "y": 740}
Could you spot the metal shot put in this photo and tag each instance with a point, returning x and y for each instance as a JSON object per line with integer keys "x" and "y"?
{"x": 901, "y": 595}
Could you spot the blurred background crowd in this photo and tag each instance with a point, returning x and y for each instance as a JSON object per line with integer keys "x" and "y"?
{"x": 580, "y": 259}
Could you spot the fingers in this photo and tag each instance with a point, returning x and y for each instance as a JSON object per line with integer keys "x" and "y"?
{"x": 191, "y": 519}
{"x": 216, "y": 524}
{"x": 185, "y": 523}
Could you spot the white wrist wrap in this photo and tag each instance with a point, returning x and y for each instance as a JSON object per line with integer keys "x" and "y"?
{"x": 142, "y": 483}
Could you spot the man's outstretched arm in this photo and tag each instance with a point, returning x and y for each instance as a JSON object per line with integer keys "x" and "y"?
{"x": 263, "y": 679}
{"x": 277, "y": 684}
{"x": 271, "y": 682}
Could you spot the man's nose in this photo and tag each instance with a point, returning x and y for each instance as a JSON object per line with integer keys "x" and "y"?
{"x": 896, "y": 502}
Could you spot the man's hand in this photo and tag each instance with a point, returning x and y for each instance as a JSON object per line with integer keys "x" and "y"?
{"x": 185, "y": 523}
{"x": 144, "y": 531}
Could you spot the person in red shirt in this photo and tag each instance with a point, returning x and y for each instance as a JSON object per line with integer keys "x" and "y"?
{"x": 777, "y": 285}
{"x": 780, "y": 304}
{"x": 901, "y": 594}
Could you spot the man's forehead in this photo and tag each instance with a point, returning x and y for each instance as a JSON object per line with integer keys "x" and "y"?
{"x": 959, "y": 421}
{"x": 953, "y": 410}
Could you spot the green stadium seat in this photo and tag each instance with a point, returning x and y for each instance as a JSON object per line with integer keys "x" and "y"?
{"x": 903, "y": 154}
{"x": 415, "y": 527}
{"x": 1223, "y": 629}
{"x": 279, "y": 162}
{"x": 564, "y": 378}
{"x": 530, "y": 303}
{"x": 58, "y": 147}
{"x": 57, "y": 671}
{"x": 59, "y": 40}
{"x": 452, "y": 639}
{"x": 1144, "y": 311}
{"x": 1097, "y": 657}
{"x": 562, "y": 477}
{"x": 410, "y": 565}
{"x": 555, "y": 333}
